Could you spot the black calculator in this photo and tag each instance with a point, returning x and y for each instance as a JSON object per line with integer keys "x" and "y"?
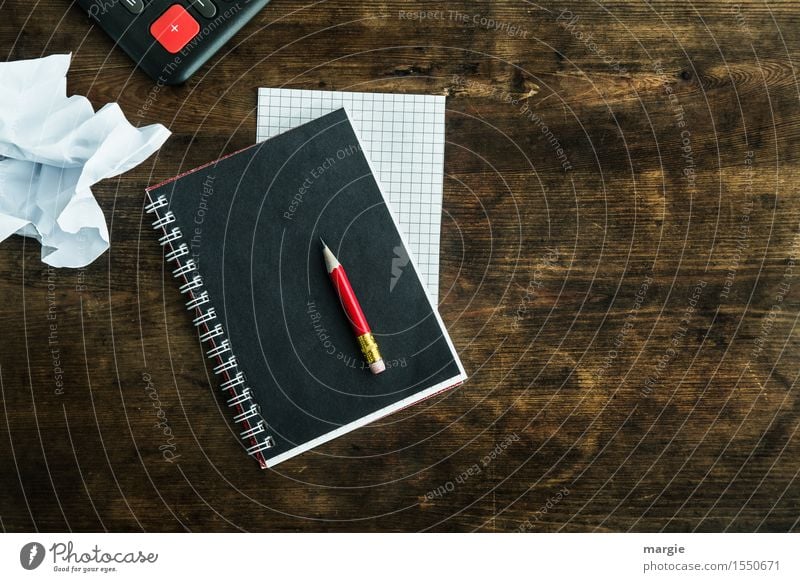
{"x": 170, "y": 39}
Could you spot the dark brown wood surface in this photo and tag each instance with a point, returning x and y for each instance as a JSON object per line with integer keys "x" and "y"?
{"x": 627, "y": 312}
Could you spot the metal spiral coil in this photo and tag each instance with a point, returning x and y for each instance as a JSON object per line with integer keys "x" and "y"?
{"x": 211, "y": 333}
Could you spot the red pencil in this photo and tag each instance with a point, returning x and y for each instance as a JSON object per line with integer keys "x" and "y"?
{"x": 369, "y": 347}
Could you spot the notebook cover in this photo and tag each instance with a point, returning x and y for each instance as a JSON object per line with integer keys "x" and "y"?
{"x": 252, "y": 222}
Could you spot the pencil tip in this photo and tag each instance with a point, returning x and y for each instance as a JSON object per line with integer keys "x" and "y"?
{"x": 330, "y": 261}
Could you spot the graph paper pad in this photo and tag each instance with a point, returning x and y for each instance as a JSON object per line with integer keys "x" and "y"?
{"x": 404, "y": 138}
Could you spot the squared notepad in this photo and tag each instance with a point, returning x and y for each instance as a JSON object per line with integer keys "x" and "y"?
{"x": 404, "y": 139}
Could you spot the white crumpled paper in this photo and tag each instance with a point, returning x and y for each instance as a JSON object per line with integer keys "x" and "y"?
{"x": 53, "y": 148}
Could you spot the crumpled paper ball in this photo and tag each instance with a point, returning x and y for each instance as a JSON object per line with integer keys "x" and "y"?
{"x": 53, "y": 148}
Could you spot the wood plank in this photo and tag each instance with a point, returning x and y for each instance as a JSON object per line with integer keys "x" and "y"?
{"x": 649, "y": 415}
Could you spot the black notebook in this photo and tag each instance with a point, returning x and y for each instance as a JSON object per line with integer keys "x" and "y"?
{"x": 241, "y": 235}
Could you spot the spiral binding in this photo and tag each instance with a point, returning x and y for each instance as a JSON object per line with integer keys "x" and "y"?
{"x": 211, "y": 333}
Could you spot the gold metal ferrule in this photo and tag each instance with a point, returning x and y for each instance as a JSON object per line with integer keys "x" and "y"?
{"x": 369, "y": 347}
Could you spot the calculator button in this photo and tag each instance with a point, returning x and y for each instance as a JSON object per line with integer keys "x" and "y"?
{"x": 133, "y": 6}
{"x": 174, "y": 28}
{"x": 205, "y": 7}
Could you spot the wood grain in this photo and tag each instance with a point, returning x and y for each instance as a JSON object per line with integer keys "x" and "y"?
{"x": 626, "y": 399}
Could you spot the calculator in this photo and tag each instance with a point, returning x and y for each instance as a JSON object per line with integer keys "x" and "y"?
{"x": 170, "y": 39}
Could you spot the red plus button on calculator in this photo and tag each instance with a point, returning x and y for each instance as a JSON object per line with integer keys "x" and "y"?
{"x": 174, "y": 28}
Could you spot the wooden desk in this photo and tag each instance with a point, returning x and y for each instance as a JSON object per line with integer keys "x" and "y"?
{"x": 619, "y": 241}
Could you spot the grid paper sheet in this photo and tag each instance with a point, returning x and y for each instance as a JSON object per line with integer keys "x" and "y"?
{"x": 404, "y": 136}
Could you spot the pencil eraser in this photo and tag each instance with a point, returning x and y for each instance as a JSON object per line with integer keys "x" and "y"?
{"x": 377, "y": 367}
